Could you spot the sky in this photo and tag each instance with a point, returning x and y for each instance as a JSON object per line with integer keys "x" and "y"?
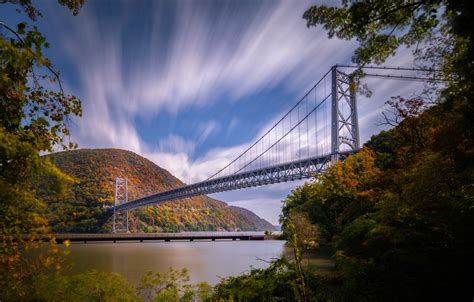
{"x": 190, "y": 84}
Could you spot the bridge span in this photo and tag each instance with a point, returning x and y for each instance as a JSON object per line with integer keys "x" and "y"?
{"x": 318, "y": 130}
{"x": 269, "y": 175}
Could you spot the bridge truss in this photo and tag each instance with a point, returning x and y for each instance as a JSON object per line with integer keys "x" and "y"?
{"x": 269, "y": 175}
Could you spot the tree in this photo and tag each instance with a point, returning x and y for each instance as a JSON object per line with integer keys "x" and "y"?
{"x": 33, "y": 119}
{"x": 172, "y": 285}
{"x": 301, "y": 235}
{"x": 276, "y": 283}
{"x": 382, "y": 26}
{"x": 90, "y": 286}
{"x": 33, "y": 13}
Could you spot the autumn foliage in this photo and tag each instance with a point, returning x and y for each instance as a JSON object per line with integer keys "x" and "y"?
{"x": 92, "y": 194}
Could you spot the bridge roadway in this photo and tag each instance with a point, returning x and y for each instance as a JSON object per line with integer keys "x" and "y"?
{"x": 299, "y": 169}
{"x": 269, "y": 175}
{"x": 140, "y": 237}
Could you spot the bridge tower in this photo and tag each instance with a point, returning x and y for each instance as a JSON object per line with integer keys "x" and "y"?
{"x": 344, "y": 120}
{"x": 120, "y": 218}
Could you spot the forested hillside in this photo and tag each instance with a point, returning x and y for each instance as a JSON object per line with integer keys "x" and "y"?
{"x": 95, "y": 171}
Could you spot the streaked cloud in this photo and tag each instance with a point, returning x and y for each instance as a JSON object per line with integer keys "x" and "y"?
{"x": 175, "y": 144}
{"x": 207, "y": 129}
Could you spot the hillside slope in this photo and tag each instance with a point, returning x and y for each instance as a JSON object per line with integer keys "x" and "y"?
{"x": 96, "y": 170}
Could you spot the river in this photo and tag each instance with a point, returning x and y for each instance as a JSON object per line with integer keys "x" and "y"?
{"x": 205, "y": 260}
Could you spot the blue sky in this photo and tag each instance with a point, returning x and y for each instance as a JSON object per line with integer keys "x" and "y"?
{"x": 190, "y": 84}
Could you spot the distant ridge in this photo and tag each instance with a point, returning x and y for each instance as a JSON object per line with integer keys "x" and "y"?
{"x": 96, "y": 169}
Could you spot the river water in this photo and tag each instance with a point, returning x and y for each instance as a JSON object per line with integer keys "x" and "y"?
{"x": 205, "y": 260}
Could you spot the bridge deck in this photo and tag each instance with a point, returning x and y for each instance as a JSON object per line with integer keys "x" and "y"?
{"x": 299, "y": 169}
{"x": 191, "y": 236}
{"x": 269, "y": 175}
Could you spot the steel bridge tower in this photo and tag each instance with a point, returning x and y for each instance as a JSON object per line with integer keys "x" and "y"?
{"x": 120, "y": 218}
{"x": 344, "y": 120}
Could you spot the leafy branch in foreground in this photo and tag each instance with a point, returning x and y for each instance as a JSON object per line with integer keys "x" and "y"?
{"x": 379, "y": 26}
{"x": 34, "y": 118}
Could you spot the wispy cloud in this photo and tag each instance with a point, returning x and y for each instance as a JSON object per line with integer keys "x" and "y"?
{"x": 175, "y": 144}
{"x": 206, "y": 129}
{"x": 232, "y": 124}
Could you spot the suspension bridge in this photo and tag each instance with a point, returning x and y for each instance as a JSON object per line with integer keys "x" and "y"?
{"x": 320, "y": 129}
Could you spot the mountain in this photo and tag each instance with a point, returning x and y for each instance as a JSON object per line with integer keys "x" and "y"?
{"x": 95, "y": 170}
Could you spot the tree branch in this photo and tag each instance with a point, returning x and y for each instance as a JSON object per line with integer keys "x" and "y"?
{"x": 54, "y": 72}
{"x": 382, "y": 17}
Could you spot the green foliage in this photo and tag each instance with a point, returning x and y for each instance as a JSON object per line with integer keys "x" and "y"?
{"x": 89, "y": 286}
{"x": 273, "y": 284}
{"x": 301, "y": 235}
{"x": 169, "y": 286}
{"x": 33, "y": 13}
{"x": 385, "y": 148}
{"x": 379, "y": 26}
{"x": 29, "y": 110}
{"x": 172, "y": 285}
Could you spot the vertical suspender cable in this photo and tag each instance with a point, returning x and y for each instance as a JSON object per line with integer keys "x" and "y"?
{"x": 299, "y": 135}
{"x": 307, "y": 130}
